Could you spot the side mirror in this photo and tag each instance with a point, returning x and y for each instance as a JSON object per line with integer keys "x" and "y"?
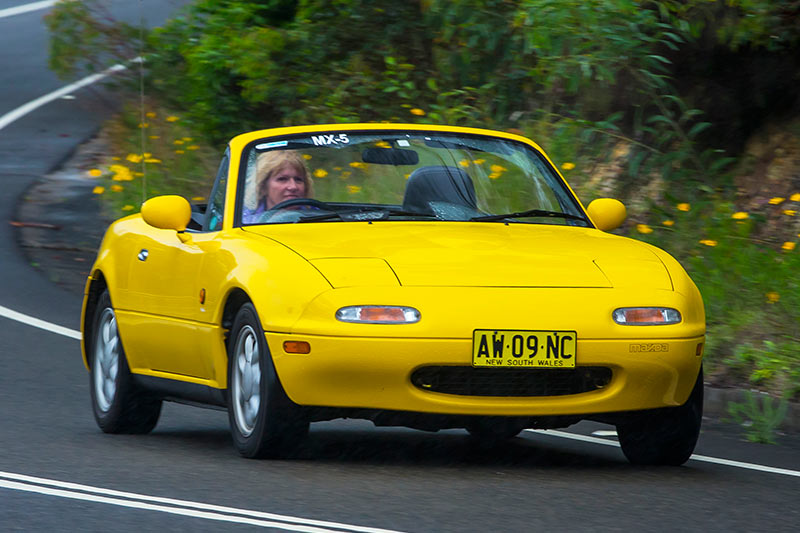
{"x": 167, "y": 212}
{"x": 607, "y": 213}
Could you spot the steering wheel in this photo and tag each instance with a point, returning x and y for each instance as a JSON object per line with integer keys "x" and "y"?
{"x": 301, "y": 201}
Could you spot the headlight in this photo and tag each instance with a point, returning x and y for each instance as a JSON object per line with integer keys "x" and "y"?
{"x": 378, "y": 314}
{"x": 646, "y": 316}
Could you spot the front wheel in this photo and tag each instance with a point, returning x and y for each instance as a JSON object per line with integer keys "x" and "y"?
{"x": 119, "y": 405}
{"x": 664, "y": 436}
{"x": 264, "y": 421}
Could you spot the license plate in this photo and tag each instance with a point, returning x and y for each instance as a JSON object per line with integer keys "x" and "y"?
{"x": 523, "y": 349}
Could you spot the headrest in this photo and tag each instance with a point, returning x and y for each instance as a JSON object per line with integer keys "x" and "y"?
{"x": 428, "y": 186}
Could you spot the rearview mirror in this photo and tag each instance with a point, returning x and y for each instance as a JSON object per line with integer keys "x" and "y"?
{"x": 167, "y": 212}
{"x": 390, "y": 156}
{"x": 607, "y": 213}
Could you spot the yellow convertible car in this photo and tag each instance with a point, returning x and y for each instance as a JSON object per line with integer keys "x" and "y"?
{"x": 425, "y": 276}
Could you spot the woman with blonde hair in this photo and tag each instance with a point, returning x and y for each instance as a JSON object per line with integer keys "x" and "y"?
{"x": 281, "y": 175}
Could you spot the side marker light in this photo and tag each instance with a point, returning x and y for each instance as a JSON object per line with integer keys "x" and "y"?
{"x": 301, "y": 347}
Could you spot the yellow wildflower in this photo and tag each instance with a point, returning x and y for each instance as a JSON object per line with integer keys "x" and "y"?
{"x": 740, "y": 215}
{"x": 708, "y": 242}
{"x": 346, "y": 174}
{"x": 353, "y": 189}
{"x": 406, "y": 176}
{"x": 795, "y": 197}
{"x": 644, "y": 228}
{"x": 192, "y": 147}
{"x": 99, "y": 190}
{"x": 788, "y": 246}
{"x": 150, "y": 114}
{"x": 568, "y": 166}
{"x": 144, "y": 124}
{"x": 498, "y": 168}
{"x": 320, "y": 173}
{"x": 180, "y": 152}
{"x": 121, "y": 173}
{"x": 155, "y": 136}
{"x": 306, "y": 156}
{"x": 494, "y": 175}
{"x": 358, "y": 164}
{"x": 684, "y": 207}
{"x": 138, "y": 174}
{"x": 464, "y": 163}
{"x": 152, "y": 160}
{"x": 128, "y": 207}
{"x": 172, "y": 118}
{"x": 417, "y": 111}
{"x": 789, "y": 212}
{"x": 177, "y": 141}
{"x": 117, "y": 188}
{"x": 773, "y": 297}
{"x": 777, "y": 200}
{"x": 198, "y": 198}
{"x": 669, "y": 222}
{"x": 134, "y": 158}
{"x": 95, "y": 173}
{"x": 382, "y": 144}
{"x": 479, "y": 161}
{"x": 187, "y": 139}
{"x": 116, "y": 158}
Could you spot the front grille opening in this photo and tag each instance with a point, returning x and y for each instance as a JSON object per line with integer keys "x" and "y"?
{"x": 510, "y": 382}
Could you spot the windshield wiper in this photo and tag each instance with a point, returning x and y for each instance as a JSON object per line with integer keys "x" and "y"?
{"x": 320, "y": 218}
{"x": 386, "y": 213}
{"x": 528, "y": 213}
{"x": 359, "y": 215}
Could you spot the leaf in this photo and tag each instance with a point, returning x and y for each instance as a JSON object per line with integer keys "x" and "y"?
{"x": 635, "y": 163}
{"x": 660, "y": 58}
{"x": 697, "y": 129}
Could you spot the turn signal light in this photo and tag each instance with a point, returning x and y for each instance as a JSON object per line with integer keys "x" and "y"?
{"x": 646, "y": 316}
{"x": 296, "y": 347}
{"x": 378, "y": 314}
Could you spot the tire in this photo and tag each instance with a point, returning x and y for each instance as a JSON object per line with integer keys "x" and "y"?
{"x": 119, "y": 405}
{"x": 264, "y": 421}
{"x": 664, "y": 436}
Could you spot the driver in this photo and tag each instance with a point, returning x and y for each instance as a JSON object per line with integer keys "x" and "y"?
{"x": 281, "y": 175}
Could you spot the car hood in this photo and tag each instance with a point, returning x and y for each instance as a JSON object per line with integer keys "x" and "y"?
{"x": 470, "y": 255}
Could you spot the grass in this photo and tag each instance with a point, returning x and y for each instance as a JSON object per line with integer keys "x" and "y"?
{"x": 172, "y": 162}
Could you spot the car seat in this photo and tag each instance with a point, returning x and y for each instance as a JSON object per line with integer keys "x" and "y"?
{"x": 437, "y": 190}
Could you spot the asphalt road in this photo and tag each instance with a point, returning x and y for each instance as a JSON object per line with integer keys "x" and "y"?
{"x": 58, "y": 472}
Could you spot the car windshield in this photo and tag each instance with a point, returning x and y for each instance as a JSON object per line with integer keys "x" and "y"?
{"x": 396, "y": 175}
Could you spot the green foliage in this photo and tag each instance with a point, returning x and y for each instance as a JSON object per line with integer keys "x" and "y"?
{"x": 173, "y": 161}
{"x": 85, "y": 37}
{"x": 760, "y": 419}
{"x": 749, "y": 285}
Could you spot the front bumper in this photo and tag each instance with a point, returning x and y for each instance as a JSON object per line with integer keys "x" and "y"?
{"x": 375, "y": 373}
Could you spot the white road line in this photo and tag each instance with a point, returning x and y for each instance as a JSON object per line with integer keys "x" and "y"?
{"x": 23, "y": 110}
{"x": 76, "y": 491}
{"x": 41, "y": 324}
{"x": 694, "y": 457}
{"x": 25, "y": 8}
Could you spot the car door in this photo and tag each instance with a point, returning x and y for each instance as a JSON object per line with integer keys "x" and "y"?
{"x": 171, "y": 331}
